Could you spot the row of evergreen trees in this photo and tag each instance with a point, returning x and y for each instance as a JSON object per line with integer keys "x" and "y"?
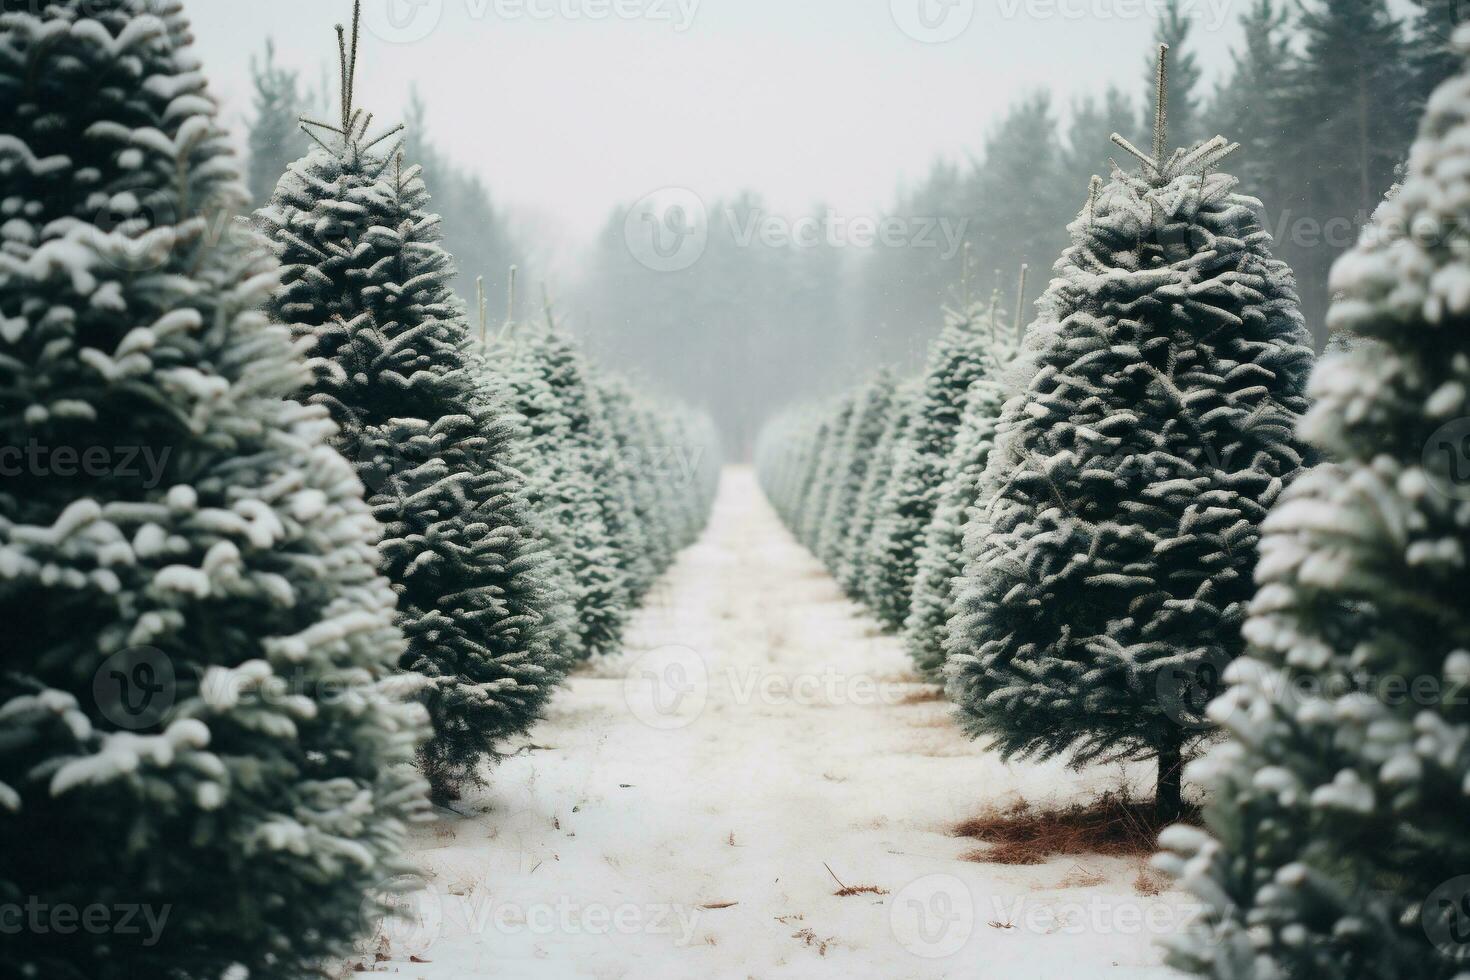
{"x": 1167, "y": 545}
{"x": 1085, "y": 509}
{"x": 364, "y": 540}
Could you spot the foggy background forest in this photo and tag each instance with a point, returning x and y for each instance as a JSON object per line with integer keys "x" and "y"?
{"x": 741, "y": 307}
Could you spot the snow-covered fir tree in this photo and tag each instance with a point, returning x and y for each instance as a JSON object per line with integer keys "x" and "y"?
{"x": 853, "y": 570}
{"x": 958, "y": 357}
{"x": 941, "y": 553}
{"x": 366, "y": 285}
{"x": 606, "y": 457}
{"x": 870, "y": 415}
{"x": 201, "y": 713}
{"x": 548, "y": 382}
{"x": 1336, "y": 843}
{"x": 786, "y": 455}
{"x": 1125, "y": 493}
{"x": 824, "y": 472}
{"x": 630, "y": 457}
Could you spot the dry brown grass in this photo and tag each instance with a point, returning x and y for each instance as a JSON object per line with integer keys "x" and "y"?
{"x": 1113, "y": 825}
{"x": 845, "y": 890}
{"x": 923, "y": 695}
{"x": 1151, "y": 882}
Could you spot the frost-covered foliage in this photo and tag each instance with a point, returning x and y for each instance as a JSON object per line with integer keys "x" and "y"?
{"x": 941, "y": 557}
{"x": 865, "y": 428}
{"x": 1122, "y": 501}
{"x": 854, "y": 572}
{"x": 365, "y": 284}
{"x": 824, "y": 467}
{"x": 1336, "y": 843}
{"x": 796, "y": 462}
{"x": 833, "y": 471}
{"x": 959, "y": 357}
{"x": 200, "y": 713}
{"x": 818, "y": 497}
{"x": 621, "y": 481}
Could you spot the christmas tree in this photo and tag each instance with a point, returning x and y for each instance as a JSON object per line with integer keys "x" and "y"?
{"x": 941, "y": 554}
{"x": 1337, "y": 804}
{"x": 646, "y": 543}
{"x": 825, "y": 472}
{"x": 870, "y": 415}
{"x": 200, "y": 715}
{"x": 959, "y": 357}
{"x": 853, "y": 569}
{"x": 548, "y": 380}
{"x": 1126, "y": 489}
{"x": 366, "y": 285}
{"x": 607, "y": 459}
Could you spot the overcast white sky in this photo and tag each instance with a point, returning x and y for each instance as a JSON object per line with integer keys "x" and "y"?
{"x": 566, "y": 113}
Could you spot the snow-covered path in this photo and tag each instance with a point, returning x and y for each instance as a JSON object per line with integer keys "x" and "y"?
{"x": 673, "y": 815}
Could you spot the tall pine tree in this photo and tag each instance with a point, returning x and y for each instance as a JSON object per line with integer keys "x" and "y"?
{"x": 275, "y": 139}
{"x": 854, "y": 572}
{"x": 367, "y": 285}
{"x": 959, "y": 357}
{"x": 1336, "y": 845}
{"x": 549, "y": 381}
{"x": 870, "y": 414}
{"x": 1349, "y": 115}
{"x": 941, "y": 552}
{"x": 200, "y": 715}
{"x": 1128, "y": 483}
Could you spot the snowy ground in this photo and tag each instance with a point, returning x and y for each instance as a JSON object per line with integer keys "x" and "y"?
{"x": 672, "y": 816}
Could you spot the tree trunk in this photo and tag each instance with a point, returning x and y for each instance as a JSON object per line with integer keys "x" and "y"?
{"x": 1169, "y": 796}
